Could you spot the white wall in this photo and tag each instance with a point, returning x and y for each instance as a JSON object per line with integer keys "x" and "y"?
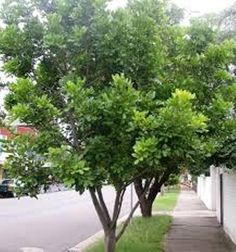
{"x": 208, "y": 190}
{"x": 204, "y": 190}
{"x": 229, "y": 203}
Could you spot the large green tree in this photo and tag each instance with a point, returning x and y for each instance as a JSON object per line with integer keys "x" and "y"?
{"x": 219, "y": 103}
{"x": 51, "y": 43}
{"x": 94, "y": 128}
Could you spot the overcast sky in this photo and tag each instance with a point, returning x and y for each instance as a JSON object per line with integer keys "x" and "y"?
{"x": 196, "y": 6}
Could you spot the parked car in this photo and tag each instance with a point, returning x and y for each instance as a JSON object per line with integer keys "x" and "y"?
{"x": 7, "y": 188}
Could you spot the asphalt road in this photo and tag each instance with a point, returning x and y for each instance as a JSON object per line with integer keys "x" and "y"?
{"x": 54, "y": 222}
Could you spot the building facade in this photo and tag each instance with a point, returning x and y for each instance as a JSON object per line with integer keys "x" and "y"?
{"x": 6, "y": 134}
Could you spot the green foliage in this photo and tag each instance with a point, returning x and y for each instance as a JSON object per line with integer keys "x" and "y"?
{"x": 116, "y": 94}
{"x": 172, "y": 135}
{"x": 104, "y": 152}
{"x": 173, "y": 180}
{"x": 26, "y": 165}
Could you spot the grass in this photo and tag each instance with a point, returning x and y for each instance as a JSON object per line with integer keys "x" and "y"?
{"x": 146, "y": 234}
{"x": 166, "y": 202}
{"x": 142, "y": 235}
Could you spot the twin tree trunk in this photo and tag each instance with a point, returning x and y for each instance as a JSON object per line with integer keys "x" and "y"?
{"x": 146, "y": 193}
{"x": 108, "y": 221}
{"x": 146, "y": 199}
{"x": 146, "y": 208}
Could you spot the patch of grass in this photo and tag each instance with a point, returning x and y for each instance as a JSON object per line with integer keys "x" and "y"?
{"x": 166, "y": 202}
{"x": 142, "y": 235}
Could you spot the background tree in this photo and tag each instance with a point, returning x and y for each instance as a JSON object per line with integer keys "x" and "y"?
{"x": 226, "y": 21}
{"x": 195, "y": 60}
{"x": 166, "y": 141}
{"x": 222, "y": 106}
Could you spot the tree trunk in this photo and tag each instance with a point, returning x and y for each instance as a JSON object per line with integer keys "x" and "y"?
{"x": 146, "y": 201}
{"x": 146, "y": 208}
{"x": 110, "y": 240}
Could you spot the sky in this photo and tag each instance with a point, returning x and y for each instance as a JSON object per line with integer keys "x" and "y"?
{"x": 196, "y": 7}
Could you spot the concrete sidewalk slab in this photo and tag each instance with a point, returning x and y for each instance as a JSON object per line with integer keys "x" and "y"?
{"x": 195, "y": 228}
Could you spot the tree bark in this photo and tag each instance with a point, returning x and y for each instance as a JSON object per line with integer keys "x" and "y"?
{"x": 146, "y": 199}
{"x": 146, "y": 208}
{"x": 110, "y": 240}
{"x": 109, "y": 222}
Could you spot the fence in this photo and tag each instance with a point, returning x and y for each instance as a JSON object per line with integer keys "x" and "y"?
{"x": 218, "y": 192}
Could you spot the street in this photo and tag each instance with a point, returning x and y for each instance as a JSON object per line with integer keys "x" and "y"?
{"x": 54, "y": 222}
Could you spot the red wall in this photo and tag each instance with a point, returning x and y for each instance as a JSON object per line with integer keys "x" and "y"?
{"x": 19, "y": 130}
{"x": 5, "y": 132}
{"x": 25, "y": 130}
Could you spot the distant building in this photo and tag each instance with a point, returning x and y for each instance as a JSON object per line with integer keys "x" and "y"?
{"x": 6, "y": 134}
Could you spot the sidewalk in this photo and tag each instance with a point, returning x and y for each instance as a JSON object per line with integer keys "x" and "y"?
{"x": 195, "y": 228}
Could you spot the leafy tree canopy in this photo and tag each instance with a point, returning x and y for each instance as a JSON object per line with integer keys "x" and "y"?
{"x": 114, "y": 95}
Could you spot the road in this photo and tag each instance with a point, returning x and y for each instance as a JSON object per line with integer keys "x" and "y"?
{"x": 54, "y": 222}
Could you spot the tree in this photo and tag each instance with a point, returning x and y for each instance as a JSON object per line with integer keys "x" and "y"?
{"x": 115, "y": 134}
{"x": 95, "y": 129}
{"x": 196, "y": 61}
{"x": 51, "y": 43}
{"x": 99, "y": 153}
{"x": 167, "y": 140}
{"x": 208, "y": 74}
{"x": 63, "y": 55}
{"x": 226, "y": 22}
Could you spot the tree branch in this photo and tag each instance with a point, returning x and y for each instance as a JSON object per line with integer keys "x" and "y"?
{"x": 99, "y": 210}
{"x": 126, "y": 223}
{"x": 138, "y": 186}
{"x": 73, "y": 130}
{"x": 117, "y": 206}
{"x": 103, "y": 205}
{"x": 155, "y": 188}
